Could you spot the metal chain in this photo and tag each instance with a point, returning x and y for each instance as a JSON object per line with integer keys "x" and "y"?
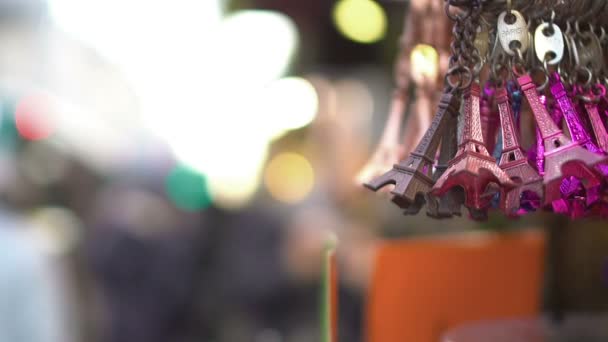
{"x": 460, "y": 75}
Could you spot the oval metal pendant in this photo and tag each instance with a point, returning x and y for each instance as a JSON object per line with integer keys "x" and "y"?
{"x": 549, "y": 41}
{"x": 590, "y": 53}
{"x": 515, "y": 32}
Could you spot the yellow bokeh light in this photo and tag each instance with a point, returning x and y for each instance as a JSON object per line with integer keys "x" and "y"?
{"x": 425, "y": 63}
{"x": 289, "y": 177}
{"x": 233, "y": 194}
{"x": 286, "y": 104}
{"x": 55, "y": 230}
{"x": 362, "y": 21}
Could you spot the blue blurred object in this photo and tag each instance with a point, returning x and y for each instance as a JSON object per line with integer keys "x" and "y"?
{"x": 31, "y": 308}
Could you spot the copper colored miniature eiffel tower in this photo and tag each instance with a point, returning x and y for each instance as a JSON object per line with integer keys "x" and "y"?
{"x": 412, "y": 176}
{"x": 473, "y": 168}
{"x": 449, "y": 204}
{"x": 563, "y": 157}
{"x": 513, "y": 160}
{"x": 389, "y": 150}
{"x": 423, "y": 109}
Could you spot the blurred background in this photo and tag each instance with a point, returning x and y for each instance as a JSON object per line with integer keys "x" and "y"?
{"x": 170, "y": 171}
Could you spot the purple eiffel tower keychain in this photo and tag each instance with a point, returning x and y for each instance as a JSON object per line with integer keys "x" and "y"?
{"x": 563, "y": 157}
{"x": 590, "y": 102}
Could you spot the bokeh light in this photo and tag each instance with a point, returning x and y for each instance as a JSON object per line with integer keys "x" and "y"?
{"x": 253, "y": 47}
{"x": 235, "y": 191}
{"x": 56, "y": 230}
{"x": 87, "y": 21}
{"x": 425, "y": 63}
{"x": 353, "y": 100}
{"x": 288, "y": 103}
{"x": 33, "y": 117}
{"x": 231, "y": 158}
{"x": 289, "y": 177}
{"x": 201, "y": 80}
{"x": 226, "y": 136}
{"x": 187, "y": 189}
{"x": 362, "y": 21}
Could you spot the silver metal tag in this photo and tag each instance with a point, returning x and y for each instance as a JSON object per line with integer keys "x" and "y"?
{"x": 515, "y": 32}
{"x": 590, "y": 54}
{"x": 552, "y": 43}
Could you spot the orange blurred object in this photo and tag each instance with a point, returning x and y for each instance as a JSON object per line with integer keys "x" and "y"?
{"x": 423, "y": 287}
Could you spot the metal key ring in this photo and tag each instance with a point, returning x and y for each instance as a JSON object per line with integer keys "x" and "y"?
{"x": 456, "y": 17}
{"x": 577, "y": 71}
{"x": 518, "y": 69}
{"x": 552, "y": 19}
{"x": 546, "y": 64}
{"x": 545, "y": 74}
{"x": 495, "y": 71}
{"x": 460, "y": 3}
{"x": 519, "y": 55}
{"x": 592, "y": 95}
{"x": 601, "y": 90}
{"x": 465, "y": 77}
{"x": 577, "y": 28}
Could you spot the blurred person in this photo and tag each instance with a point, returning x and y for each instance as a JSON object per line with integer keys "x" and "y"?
{"x": 260, "y": 277}
{"x": 91, "y": 113}
{"x": 148, "y": 260}
{"x": 142, "y": 253}
{"x": 242, "y": 290}
{"x": 32, "y": 296}
{"x": 36, "y": 302}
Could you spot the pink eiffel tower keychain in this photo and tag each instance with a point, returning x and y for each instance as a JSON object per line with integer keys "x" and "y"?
{"x": 473, "y": 168}
{"x": 514, "y": 161}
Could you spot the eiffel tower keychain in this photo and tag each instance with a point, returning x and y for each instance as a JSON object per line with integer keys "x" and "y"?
{"x": 555, "y": 63}
{"x": 420, "y": 41}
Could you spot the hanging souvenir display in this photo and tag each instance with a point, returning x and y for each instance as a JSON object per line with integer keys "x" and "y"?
{"x": 542, "y": 61}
